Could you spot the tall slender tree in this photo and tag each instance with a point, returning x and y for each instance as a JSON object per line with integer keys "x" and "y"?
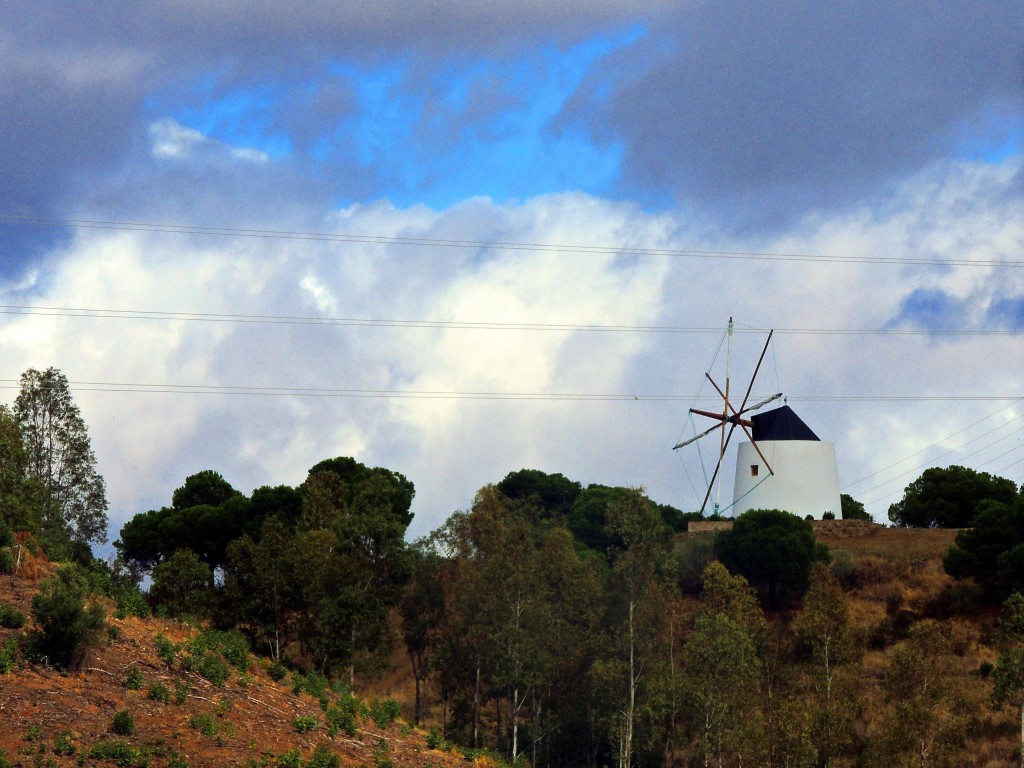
{"x": 824, "y": 627}
{"x": 60, "y": 457}
{"x": 637, "y": 564}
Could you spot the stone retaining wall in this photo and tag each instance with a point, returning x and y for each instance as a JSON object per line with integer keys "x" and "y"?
{"x": 835, "y": 528}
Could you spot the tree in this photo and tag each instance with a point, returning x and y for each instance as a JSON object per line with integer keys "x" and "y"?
{"x": 66, "y": 623}
{"x": 931, "y": 710}
{"x": 205, "y": 488}
{"x": 422, "y": 610}
{"x": 553, "y": 494}
{"x": 205, "y": 515}
{"x": 588, "y": 516}
{"x": 1008, "y": 674}
{"x": 853, "y": 509}
{"x": 259, "y": 584}
{"x": 20, "y": 498}
{"x": 152, "y": 537}
{"x": 948, "y": 498}
{"x": 565, "y": 641}
{"x": 723, "y": 668}
{"x": 281, "y": 502}
{"x": 824, "y": 628}
{"x": 638, "y": 562}
{"x": 183, "y": 584}
{"x": 60, "y": 457}
{"x": 773, "y": 550}
{"x": 352, "y": 559}
{"x": 991, "y": 552}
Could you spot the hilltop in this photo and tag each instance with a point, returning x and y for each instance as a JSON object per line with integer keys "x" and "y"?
{"x": 892, "y": 580}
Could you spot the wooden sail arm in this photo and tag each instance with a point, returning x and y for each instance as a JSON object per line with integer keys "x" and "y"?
{"x": 734, "y": 419}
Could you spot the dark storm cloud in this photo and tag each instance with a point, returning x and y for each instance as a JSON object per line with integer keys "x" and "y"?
{"x": 783, "y": 106}
{"x": 75, "y": 77}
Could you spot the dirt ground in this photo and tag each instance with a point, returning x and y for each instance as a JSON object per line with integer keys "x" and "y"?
{"x": 253, "y": 717}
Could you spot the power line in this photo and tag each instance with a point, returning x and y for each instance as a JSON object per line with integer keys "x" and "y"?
{"x": 210, "y": 389}
{"x": 184, "y": 229}
{"x": 935, "y": 445}
{"x": 266, "y": 319}
{"x": 947, "y": 453}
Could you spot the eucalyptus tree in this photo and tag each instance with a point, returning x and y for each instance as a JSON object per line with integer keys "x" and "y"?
{"x": 637, "y": 591}
{"x": 60, "y": 458}
{"x": 723, "y": 668}
{"x": 825, "y": 629}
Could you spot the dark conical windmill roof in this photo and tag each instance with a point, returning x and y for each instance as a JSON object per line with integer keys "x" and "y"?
{"x": 781, "y": 424}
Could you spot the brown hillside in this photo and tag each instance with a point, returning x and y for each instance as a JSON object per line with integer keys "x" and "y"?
{"x": 253, "y": 717}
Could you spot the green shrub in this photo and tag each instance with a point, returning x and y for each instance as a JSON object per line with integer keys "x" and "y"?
{"x": 6, "y": 560}
{"x": 385, "y": 712}
{"x": 322, "y": 757}
{"x": 123, "y": 723}
{"x": 166, "y": 649}
{"x": 63, "y": 745}
{"x": 235, "y": 649}
{"x": 11, "y": 617}
{"x": 290, "y": 759}
{"x": 214, "y": 669}
{"x": 181, "y": 691}
{"x": 231, "y": 645}
{"x": 8, "y": 655}
{"x": 382, "y": 755}
{"x": 4, "y": 762}
{"x": 114, "y": 749}
{"x": 177, "y": 760}
{"x": 305, "y": 723}
{"x": 435, "y": 740}
{"x": 133, "y": 680}
{"x": 131, "y": 602}
{"x": 342, "y": 715}
{"x": 158, "y": 692}
{"x": 203, "y": 723}
{"x": 208, "y": 664}
{"x": 341, "y": 719}
{"x": 277, "y": 671}
{"x": 313, "y": 683}
{"x": 66, "y": 624}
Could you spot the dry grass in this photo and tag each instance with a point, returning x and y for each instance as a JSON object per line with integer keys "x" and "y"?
{"x": 254, "y": 714}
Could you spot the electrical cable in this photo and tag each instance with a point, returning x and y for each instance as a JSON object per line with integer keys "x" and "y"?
{"x": 184, "y": 229}
{"x": 212, "y": 317}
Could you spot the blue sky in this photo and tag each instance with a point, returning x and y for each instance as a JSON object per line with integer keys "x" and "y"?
{"x": 882, "y": 141}
{"x": 478, "y": 127}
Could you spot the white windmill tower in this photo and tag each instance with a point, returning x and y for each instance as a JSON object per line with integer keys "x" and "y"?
{"x": 783, "y": 466}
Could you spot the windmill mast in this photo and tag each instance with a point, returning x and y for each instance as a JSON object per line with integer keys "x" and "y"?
{"x": 725, "y": 411}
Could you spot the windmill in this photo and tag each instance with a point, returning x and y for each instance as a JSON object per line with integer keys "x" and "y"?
{"x": 730, "y": 416}
{"x": 783, "y": 466}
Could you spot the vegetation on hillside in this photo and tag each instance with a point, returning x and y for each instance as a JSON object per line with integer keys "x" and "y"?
{"x": 550, "y": 623}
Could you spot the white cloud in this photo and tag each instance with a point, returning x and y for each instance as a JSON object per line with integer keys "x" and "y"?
{"x": 148, "y": 443}
{"x": 173, "y": 141}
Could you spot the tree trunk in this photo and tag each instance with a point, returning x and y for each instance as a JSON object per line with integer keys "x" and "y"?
{"x": 352, "y": 663}
{"x": 416, "y": 705}
{"x": 626, "y": 752}
{"x": 515, "y": 723}
{"x": 476, "y": 707}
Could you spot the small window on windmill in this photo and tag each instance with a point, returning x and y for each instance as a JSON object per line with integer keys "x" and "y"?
{"x": 753, "y": 470}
